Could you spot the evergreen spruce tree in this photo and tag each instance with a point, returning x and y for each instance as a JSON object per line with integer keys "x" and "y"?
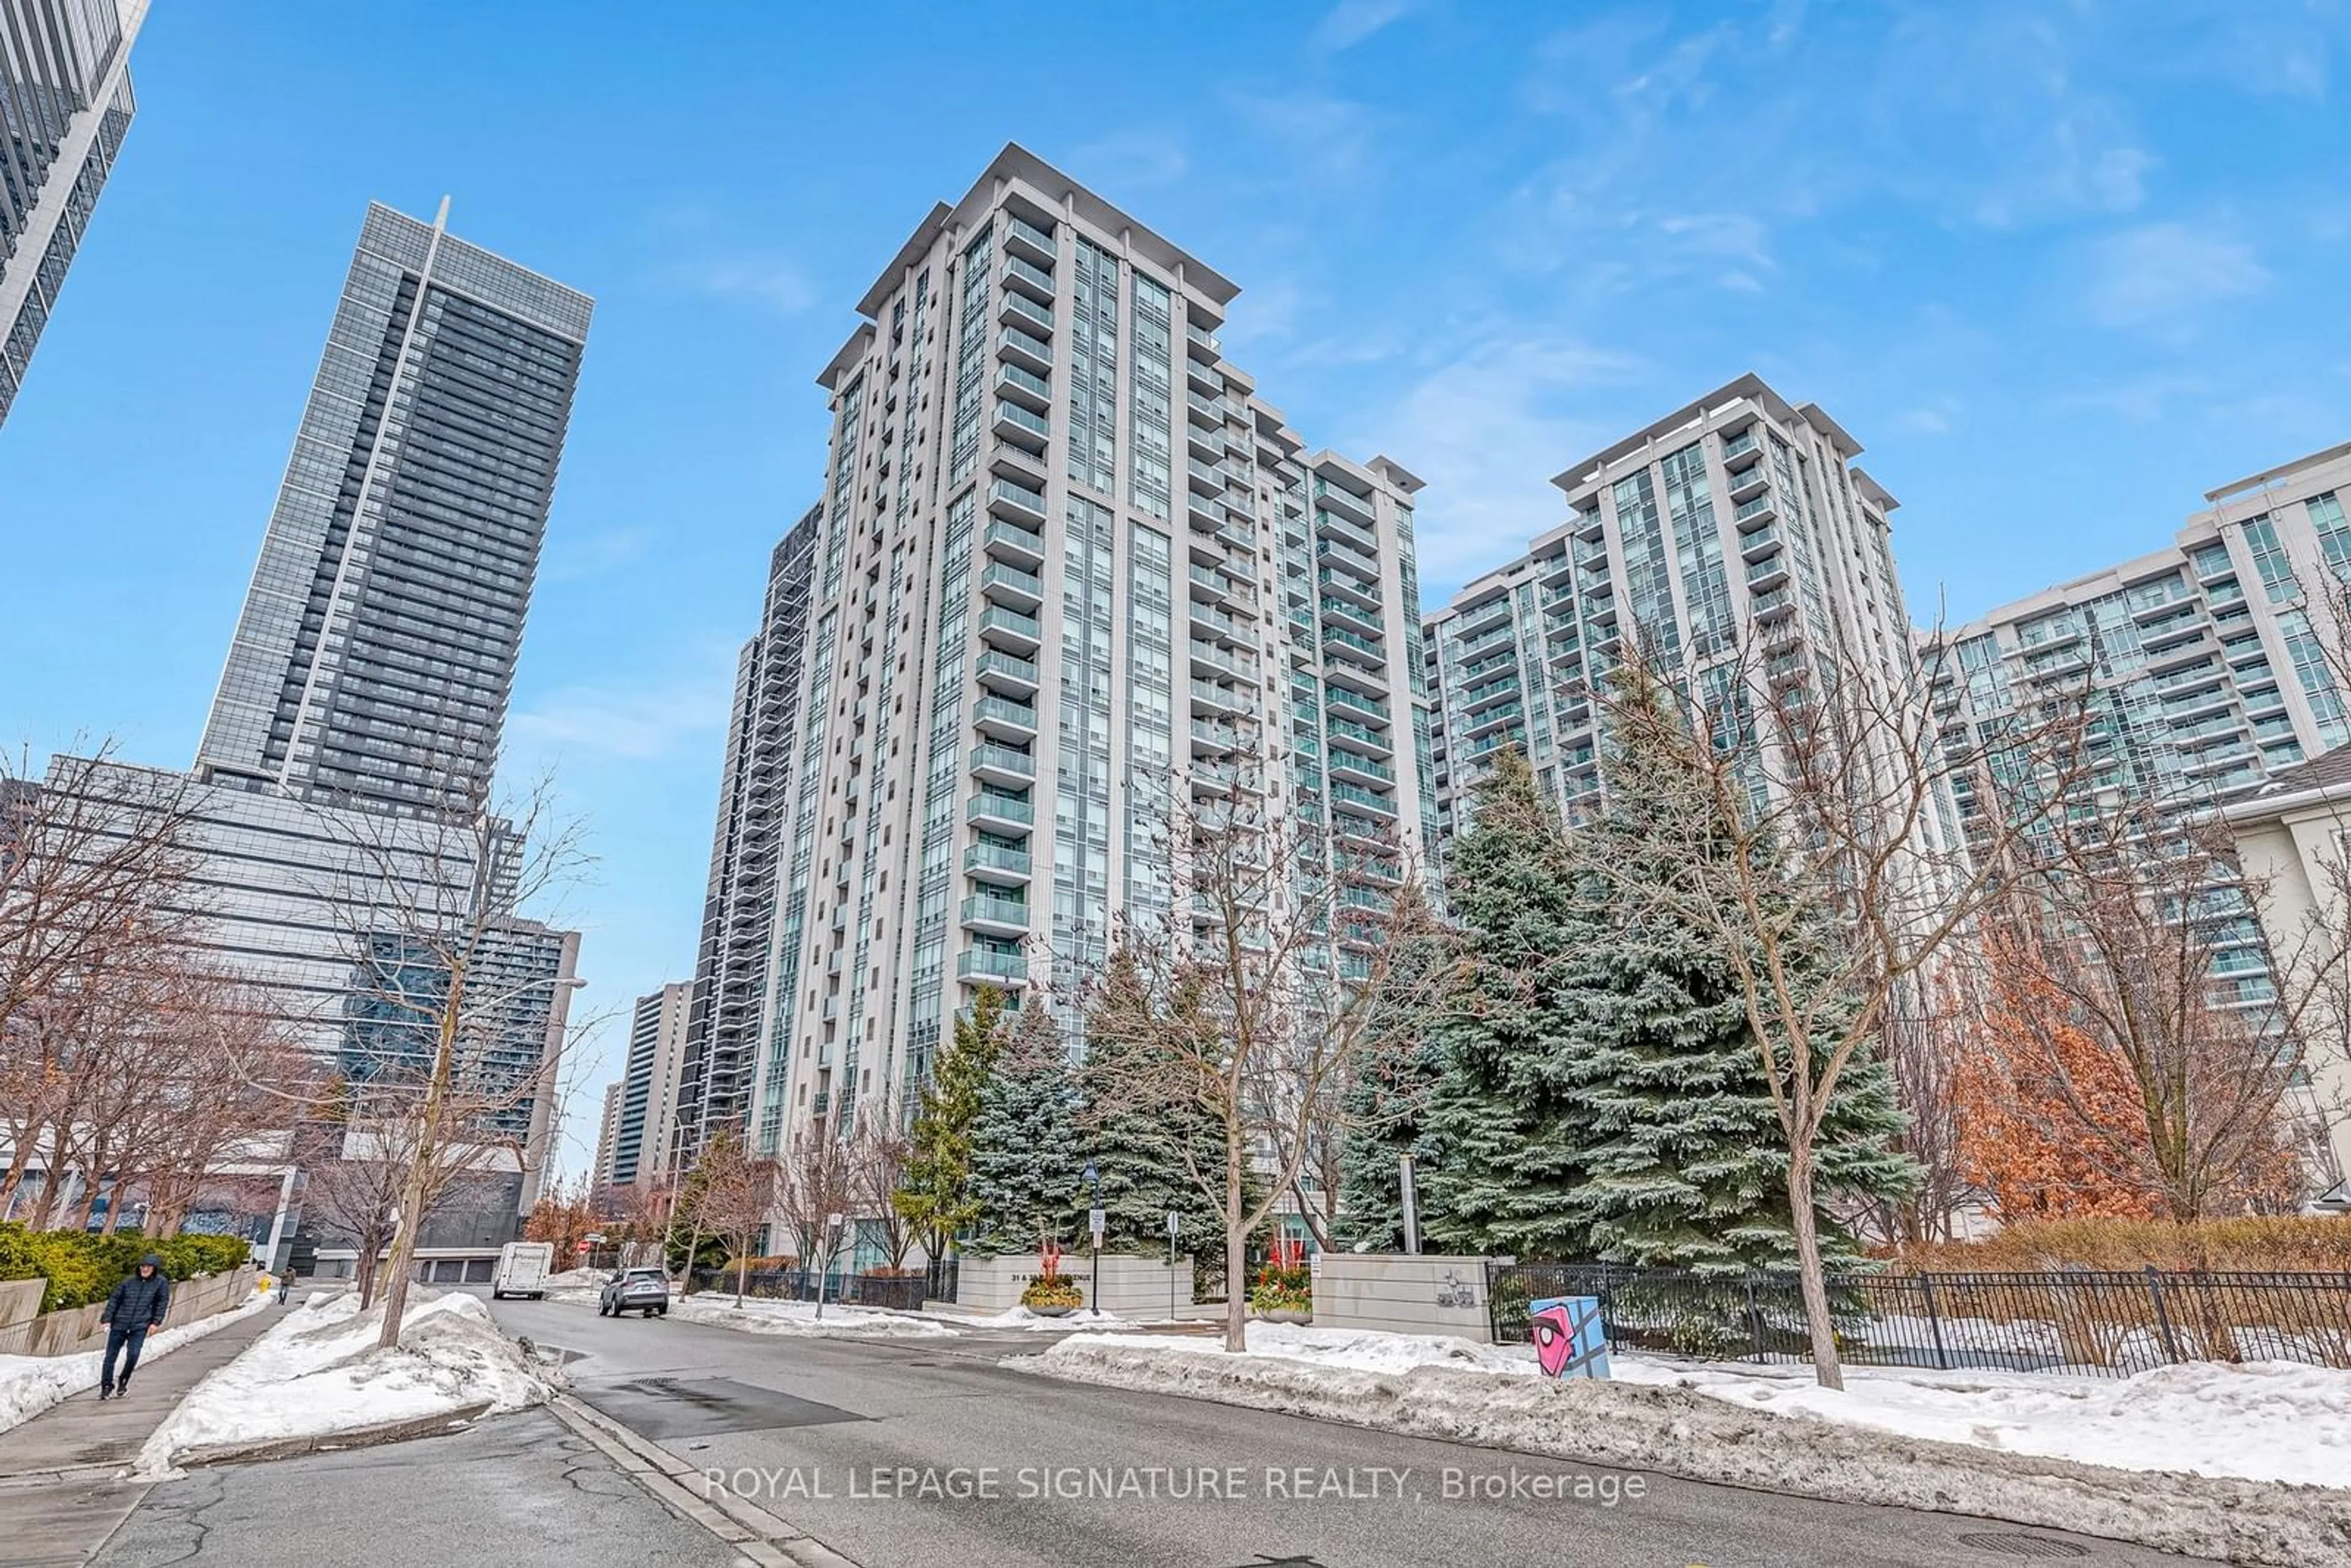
{"x": 1689, "y": 1165}
{"x": 1027, "y": 1164}
{"x": 1146, "y": 1152}
{"x": 935, "y": 1194}
{"x": 1388, "y": 1100}
{"x": 1506, "y": 1130}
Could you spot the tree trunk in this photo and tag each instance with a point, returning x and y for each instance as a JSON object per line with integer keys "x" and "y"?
{"x": 1236, "y": 1246}
{"x": 371, "y": 1244}
{"x": 1817, "y": 1321}
{"x": 415, "y": 1190}
{"x": 742, "y": 1272}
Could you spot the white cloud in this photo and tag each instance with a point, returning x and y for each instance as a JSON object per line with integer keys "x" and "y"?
{"x": 1487, "y": 432}
{"x": 1350, "y": 22}
{"x": 1936, "y": 417}
{"x": 637, "y": 722}
{"x": 762, "y": 278}
{"x": 1132, "y": 160}
{"x": 2142, "y": 401}
{"x": 2161, "y": 271}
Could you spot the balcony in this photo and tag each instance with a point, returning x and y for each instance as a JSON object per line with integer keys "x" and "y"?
{"x": 1214, "y": 585}
{"x": 1202, "y": 375}
{"x": 1766, "y": 574}
{"x": 1358, "y": 770}
{"x": 1773, "y": 606}
{"x": 1332, "y": 554}
{"x": 1341, "y": 699}
{"x": 1214, "y": 778}
{"x": 1011, "y": 631}
{"x": 1759, "y": 544}
{"x": 1201, "y": 344}
{"x": 1209, "y": 739}
{"x": 1030, "y": 278}
{"x": 1347, "y": 585}
{"x": 1203, "y": 513}
{"x": 1214, "y": 623}
{"x": 1005, "y": 674}
{"x": 1205, "y": 411}
{"x": 1740, "y": 445}
{"x": 1755, "y": 513}
{"x": 1022, "y": 237}
{"x": 1222, "y": 699}
{"x": 1026, "y": 349}
{"x": 1000, "y": 813}
{"x": 1022, "y": 427}
{"x": 1009, "y": 585}
{"x": 993, "y": 966}
{"x": 1747, "y": 483}
{"x": 1002, "y": 764}
{"x": 1354, "y": 647}
{"x": 1005, "y": 718}
{"x": 1024, "y": 387}
{"x": 1330, "y": 525}
{"x": 1493, "y": 718}
{"x": 997, "y": 863}
{"x": 1238, "y": 535}
{"x": 1475, "y": 698}
{"x": 1346, "y": 732}
{"x": 996, "y": 915}
{"x": 1339, "y": 498}
{"x": 1018, "y": 311}
{"x": 1207, "y": 478}
{"x": 1207, "y": 659}
{"x": 1006, "y": 499}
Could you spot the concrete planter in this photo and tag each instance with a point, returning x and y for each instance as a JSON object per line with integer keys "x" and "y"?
{"x": 1127, "y": 1287}
{"x": 1398, "y": 1293}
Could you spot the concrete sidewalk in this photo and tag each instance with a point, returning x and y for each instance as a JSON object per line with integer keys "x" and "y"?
{"x": 57, "y": 1490}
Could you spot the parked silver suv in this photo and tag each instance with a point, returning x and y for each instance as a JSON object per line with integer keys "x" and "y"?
{"x": 635, "y": 1290}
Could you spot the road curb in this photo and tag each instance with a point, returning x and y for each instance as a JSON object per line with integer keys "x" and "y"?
{"x": 354, "y": 1438}
{"x": 759, "y": 1536}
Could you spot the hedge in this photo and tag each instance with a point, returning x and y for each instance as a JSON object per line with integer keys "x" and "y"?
{"x": 2266, "y": 1244}
{"x": 81, "y": 1268}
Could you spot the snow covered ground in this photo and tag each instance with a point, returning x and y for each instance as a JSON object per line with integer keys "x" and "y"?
{"x": 320, "y": 1373}
{"x": 31, "y": 1383}
{"x": 1901, "y": 1439}
{"x": 1022, "y": 1318}
{"x": 2277, "y": 1421}
{"x": 759, "y": 1315}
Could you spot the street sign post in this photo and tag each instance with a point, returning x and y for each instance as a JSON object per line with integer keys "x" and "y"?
{"x": 824, "y": 1263}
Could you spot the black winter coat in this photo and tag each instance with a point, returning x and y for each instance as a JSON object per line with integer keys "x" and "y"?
{"x": 138, "y": 1301}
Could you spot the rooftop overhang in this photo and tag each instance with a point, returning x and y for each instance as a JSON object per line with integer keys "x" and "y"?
{"x": 1750, "y": 387}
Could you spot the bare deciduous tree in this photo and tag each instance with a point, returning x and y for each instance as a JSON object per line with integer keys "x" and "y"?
{"x": 816, "y": 1186}
{"x": 879, "y": 1158}
{"x": 1821, "y": 848}
{"x": 1250, "y": 1003}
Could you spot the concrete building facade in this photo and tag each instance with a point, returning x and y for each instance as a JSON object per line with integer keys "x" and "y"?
{"x": 608, "y": 1131}
{"x": 738, "y": 907}
{"x": 65, "y": 83}
{"x": 649, "y": 1086}
{"x": 1068, "y": 562}
{"x": 1738, "y": 522}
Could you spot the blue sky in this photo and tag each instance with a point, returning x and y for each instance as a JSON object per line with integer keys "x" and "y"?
{"x": 2060, "y": 267}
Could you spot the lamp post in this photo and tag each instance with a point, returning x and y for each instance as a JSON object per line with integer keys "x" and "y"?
{"x": 1095, "y": 1218}
{"x": 1173, "y": 1220}
{"x": 1411, "y": 1204}
{"x": 824, "y": 1264}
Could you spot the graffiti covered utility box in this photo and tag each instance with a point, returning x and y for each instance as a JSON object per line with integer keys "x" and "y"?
{"x": 1570, "y": 1341}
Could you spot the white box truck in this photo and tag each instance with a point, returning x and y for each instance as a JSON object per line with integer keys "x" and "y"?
{"x": 522, "y": 1270}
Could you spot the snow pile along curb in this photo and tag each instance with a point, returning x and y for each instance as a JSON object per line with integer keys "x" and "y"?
{"x": 760, "y": 1315}
{"x": 1678, "y": 1432}
{"x": 31, "y": 1383}
{"x": 318, "y": 1374}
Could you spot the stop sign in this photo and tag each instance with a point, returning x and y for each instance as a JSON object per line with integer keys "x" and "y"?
{"x": 583, "y": 1246}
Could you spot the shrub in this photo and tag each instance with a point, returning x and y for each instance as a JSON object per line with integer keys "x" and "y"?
{"x": 2281, "y": 1244}
{"x": 81, "y": 1268}
{"x": 1280, "y": 1288}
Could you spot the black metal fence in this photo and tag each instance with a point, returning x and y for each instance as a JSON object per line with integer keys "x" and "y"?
{"x": 940, "y": 1279}
{"x": 2073, "y": 1321}
{"x": 895, "y": 1292}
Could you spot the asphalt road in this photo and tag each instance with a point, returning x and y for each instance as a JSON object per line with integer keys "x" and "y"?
{"x": 914, "y": 1453}
{"x": 517, "y": 1493}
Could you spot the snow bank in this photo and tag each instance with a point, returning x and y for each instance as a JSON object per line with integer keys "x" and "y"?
{"x": 1659, "y": 1426}
{"x": 2275, "y": 1421}
{"x": 31, "y": 1383}
{"x": 319, "y": 1372}
{"x": 1019, "y": 1317}
{"x": 759, "y": 1315}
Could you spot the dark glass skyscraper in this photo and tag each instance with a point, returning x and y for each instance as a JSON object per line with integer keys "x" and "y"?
{"x": 65, "y": 104}
{"x": 374, "y": 656}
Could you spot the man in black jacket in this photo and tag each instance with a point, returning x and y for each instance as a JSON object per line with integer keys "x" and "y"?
{"x": 138, "y": 1304}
